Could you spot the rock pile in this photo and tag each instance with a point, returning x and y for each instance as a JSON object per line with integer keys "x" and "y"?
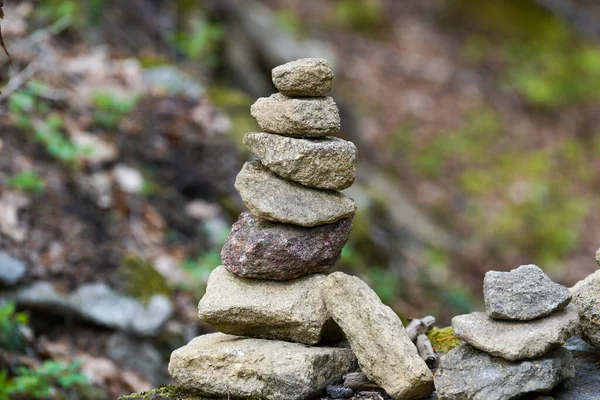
{"x": 515, "y": 346}
{"x": 289, "y": 319}
{"x": 586, "y": 297}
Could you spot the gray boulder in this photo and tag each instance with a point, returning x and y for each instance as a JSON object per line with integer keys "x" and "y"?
{"x": 304, "y": 77}
{"x": 585, "y": 385}
{"x": 290, "y": 310}
{"x": 11, "y": 269}
{"x": 224, "y": 366}
{"x": 328, "y": 163}
{"x": 516, "y": 340}
{"x": 257, "y": 248}
{"x": 586, "y": 298}
{"x": 525, "y": 293}
{"x": 467, "y": 373}
{"x": 275, "y": 199}
{"x": 376, "y": 335}
{"x": 99, "y": 304}
{"x": 309, "y": 116}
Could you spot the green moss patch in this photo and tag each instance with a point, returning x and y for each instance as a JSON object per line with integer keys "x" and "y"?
{"x": 443, "y": 339}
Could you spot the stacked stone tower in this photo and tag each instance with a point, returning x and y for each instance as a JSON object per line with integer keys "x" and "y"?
{"x": 268, "y": 291}
{"x": 515, "y": 346}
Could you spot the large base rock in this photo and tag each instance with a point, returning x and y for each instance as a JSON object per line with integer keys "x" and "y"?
{"x": 516, "y": 340}
{"x": 384, "y": 351}
{"x": 525, "y": 293}
{"x": 585, "y": 385}
{"x": 275, "y": 199}
{"x": 309, "y": 116}
{"x": 586, "y": 298}
{"x": 467, "y": 373}
{"x": 262, "y": 249}
{"x": 219, "y": 365}
{"x": 328, "y": 163}
{"x": 290, "y": 310}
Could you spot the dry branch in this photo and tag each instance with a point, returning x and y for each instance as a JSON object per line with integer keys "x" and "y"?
{"x": 417, "y": 326}
{"x": 426, "y": 351}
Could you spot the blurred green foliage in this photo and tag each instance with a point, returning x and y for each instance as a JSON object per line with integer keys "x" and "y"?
{"x": 365, "y": 16}
{"x": 42, "y": 382}
{"x": 33, "y": 115}
{"x": 200, "y": 40}
{"x": 110, "y": 109}
{"x": 546, "y": 61}
{"x": 28, "y": 181}
{"x": 11, "y": 323}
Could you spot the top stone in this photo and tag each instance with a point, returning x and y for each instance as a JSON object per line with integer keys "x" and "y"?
{"x": 306, "y": 77}
{"x": 523, "y": 294}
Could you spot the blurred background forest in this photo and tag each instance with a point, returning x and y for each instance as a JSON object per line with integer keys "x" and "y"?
{"x": 121, "y": 132}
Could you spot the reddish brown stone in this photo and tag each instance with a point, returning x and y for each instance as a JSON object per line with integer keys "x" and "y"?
{"x": 262, "y": 249}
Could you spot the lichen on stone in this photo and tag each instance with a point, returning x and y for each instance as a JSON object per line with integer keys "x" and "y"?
{"x": 443, "y": 339}
{"x": 168, "y": 392}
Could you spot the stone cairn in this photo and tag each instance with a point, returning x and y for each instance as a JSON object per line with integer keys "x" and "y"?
{"x": 269, "y": 300}
{"x": 515, "y": 346}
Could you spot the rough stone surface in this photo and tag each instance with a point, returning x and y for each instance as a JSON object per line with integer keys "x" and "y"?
{"x": 525, "y": 293}
{"x": 275, "y": 199}
{"x": 304, "y": 77}
{"x": 221, "y": 365}
{"x": 309, "y": 116}
{"x": 339, "y": 392}
{"x": 257, "y": 248}
{"x": 467, "y": 373}
{"x": 385, "y": 353}
{"x": 516, "y": 340}
{"x": 11, "y": 269}
{"x": 328, "y": 163}
{"x": 290, "y": 310}
{"x": 585, "y": 385}
{"x": 99, "y": 304}
{"x": 586, "y": 298}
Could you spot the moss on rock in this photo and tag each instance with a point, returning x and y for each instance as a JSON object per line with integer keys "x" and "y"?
{"x": 443, "y": 339}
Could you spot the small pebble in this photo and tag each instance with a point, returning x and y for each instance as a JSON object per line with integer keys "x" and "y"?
{"x": 339, "y": 392}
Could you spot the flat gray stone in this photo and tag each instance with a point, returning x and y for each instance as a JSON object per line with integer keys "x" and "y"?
{"x": 376, "y": 335}
{"x": 586, "y": 298}
{"x": 99, "y": 304}
{"x": 328, "y": 163}
{"x": 257, "y": 248}
{"x": 303, "y": 77}
{"x": 289, "y": 310}
{"x": 523, "y": 294}
{"x": 224, "y": 366}
{"x": 516, "y": 340}
{"x": 467, "y": 373}
{"x": 305, "y": 117}
{"x": 275, "y": 199}
{"x": 11, "y": 269}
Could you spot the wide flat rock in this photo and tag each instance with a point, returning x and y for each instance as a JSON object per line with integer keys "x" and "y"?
{"x": 303, "y": 77}
{"x": 586, "y": 298}
{"x": 289, "y": 310}
{"x": 275, "y": 199}
{"x": 525, "y": 293}
{"x": 376, "y": 335}
{"x": 467, "y": 373}
{"x": 257, "y": 248}
{"x": 308, "y": 116}
{"x": 225, "y": 366}
{"x": 516, "y": 340}
{"x": 328, "y": 163}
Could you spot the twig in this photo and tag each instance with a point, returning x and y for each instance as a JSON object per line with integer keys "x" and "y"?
{"x": 358, "y": 381}
{"x": 19, "y": 79}
{"x": 417, "y": 327}
{"x": 426, "y": 351}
